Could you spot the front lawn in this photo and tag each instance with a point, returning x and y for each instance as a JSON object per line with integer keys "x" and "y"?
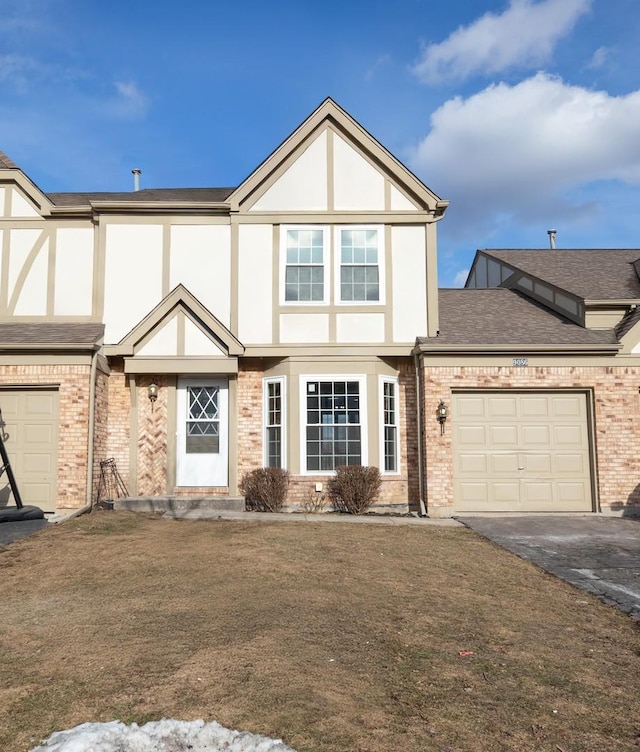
{"x": 334, "y": 637}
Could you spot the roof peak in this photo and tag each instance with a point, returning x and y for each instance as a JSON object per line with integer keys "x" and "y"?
{"x": 6, "y": 163}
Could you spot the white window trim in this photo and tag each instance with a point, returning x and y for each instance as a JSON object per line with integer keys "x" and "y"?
{"x": 326, "y": 264}
{"x": 364, "y": 424}
{"x": 382, "y": 381}
{"x": 337, "y": 245}
{"x": 283, "y": 419}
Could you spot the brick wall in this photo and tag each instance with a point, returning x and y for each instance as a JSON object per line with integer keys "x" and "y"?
{"x": 250, "y": 378}
{"x": 617, "y": 423}
{"x": 117, "y": 428}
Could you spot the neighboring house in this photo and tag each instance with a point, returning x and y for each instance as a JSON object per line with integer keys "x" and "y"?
{"x": 538, "y": 359}
{"x": 295, "y": 321}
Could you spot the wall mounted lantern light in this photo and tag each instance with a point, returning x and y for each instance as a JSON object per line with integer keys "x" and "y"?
{"x": 152, "y": 393}
{"x": 442, "y": 413}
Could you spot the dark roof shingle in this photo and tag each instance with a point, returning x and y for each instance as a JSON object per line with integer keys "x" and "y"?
{"x": 189, "y": 195}
{"x": 499, "y": 316}
{"x": 595, "y": 274}
{"x": 6, "y": 163}
{"x": 46, "y": 333}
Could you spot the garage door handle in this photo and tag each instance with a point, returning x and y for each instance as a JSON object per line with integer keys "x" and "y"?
{"x": 521, "y": 468}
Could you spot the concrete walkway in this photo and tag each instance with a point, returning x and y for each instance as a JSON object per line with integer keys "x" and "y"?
{"x": 596, "y": 553}
{"x": 365, "y": 519}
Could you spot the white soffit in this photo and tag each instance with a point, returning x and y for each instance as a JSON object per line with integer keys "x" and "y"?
{"x": 303, "y": 186}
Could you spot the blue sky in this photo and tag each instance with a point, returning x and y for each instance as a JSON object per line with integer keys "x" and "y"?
{"x": 525, "y": 114}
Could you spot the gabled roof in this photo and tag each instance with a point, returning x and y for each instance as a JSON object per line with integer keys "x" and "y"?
{"x": 500, "y": 317}
{"x": 179, "y": 297}
{"x": 593, "y": 274}
{"x": 330, "y": 112}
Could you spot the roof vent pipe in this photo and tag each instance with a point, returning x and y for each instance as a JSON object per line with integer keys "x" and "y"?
{"x": 136, "y": 179}
{"x": 552, "y": 239}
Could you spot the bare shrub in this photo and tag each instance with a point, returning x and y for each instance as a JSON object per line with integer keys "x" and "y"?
{"x": 313, "y": 502}
{"x": 265, "y": 488}
{"x": 354, "y": 488}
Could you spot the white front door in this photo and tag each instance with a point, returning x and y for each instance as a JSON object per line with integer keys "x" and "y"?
{"x": 203, "y": 431}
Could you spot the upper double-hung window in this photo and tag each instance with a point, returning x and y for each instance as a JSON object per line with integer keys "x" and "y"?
{"x": 305, "y": 265}
{"x": 360, "y": 255}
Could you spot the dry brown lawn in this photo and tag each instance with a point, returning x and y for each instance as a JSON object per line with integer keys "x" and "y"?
{"x": 334, "y": 637}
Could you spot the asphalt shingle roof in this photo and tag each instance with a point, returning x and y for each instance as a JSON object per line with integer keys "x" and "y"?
{"x": 6, "y": 163}
{"x": 499, "y": 316}
{"x": 50, "y": 334}
{"x": 211, "y": 195}
{"x": 595, "y": 274}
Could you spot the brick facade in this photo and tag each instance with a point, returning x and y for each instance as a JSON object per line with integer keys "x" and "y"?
{"x": 616, "y": 421}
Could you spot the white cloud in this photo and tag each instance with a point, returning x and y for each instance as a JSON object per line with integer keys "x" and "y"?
{"x": 460, "y": 278}
{"x": 518, "y": 151}
{"x": 129, "y": 102}
{"x": 599, "y": 58}
{"x": 523, "y": 36}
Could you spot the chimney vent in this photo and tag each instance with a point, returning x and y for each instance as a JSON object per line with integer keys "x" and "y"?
{"x": 552, "y": 238}
{"x": 136, "y": 179}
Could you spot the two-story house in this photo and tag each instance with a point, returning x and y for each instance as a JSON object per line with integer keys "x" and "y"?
{"x": 194, "y": 334}
{"x": 295, "y": 321}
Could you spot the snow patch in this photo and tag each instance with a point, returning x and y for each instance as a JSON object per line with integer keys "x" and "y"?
{"x": 158, "y": 736}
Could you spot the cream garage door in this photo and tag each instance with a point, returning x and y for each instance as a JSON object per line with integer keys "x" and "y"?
{"x": 31, "y": 437}
{"x": 521, "y": 452}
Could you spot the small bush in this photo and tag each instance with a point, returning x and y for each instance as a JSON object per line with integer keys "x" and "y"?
{"x": 265, "y": 488}
{"x": 354, "y": 488}
{"x": 313, "y": 502}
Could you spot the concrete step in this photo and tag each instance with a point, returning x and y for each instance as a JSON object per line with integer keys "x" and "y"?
{"x": 180, "y": 503}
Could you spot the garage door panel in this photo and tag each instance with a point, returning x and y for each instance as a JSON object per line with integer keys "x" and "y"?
{"x": 538, "y": 460}
{"x": 39, "y": 405}
{"x": 471, "y": 407}
{"x": 536, "y": 492}
{"x": 36, "y": 493}
{"x": 37, "y": 463}
{"x": 534, "y": 407}
{"x": 502, "y": 408}
{"x": 568, "y": 435}
{"x": 537, "y": 463}
{"x": 503, "y": 435}
{"x": 474, "y": 492}
{"x": 471, "y": 436}
{"x": 504, "y": 463}
{"x": 567, "y": 407}
{"x": 535, "y": 436}
{"x": 39, "y": 434}
{"x": 472, "y": 463}
{"x": 570, "y": 464}
{"x": 505, "y": 492}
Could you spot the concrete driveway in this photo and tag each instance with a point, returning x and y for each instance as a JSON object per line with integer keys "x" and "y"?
{"x": 598, "y": 554}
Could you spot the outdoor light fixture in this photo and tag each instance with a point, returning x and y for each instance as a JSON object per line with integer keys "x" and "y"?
{"x": 442, "y": 413}
{"x": 152, "y": 393}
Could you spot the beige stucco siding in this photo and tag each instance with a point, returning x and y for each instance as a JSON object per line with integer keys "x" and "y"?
{"x": 255, "y": 284}
{"x": 201, "y": 261}
{"x": 408, "y": 262}
{"x": 303, "y": 185}
{"x": 133, "y": 276}
{"x": 74, "y": 272}
{"x": 357, "y": 185}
